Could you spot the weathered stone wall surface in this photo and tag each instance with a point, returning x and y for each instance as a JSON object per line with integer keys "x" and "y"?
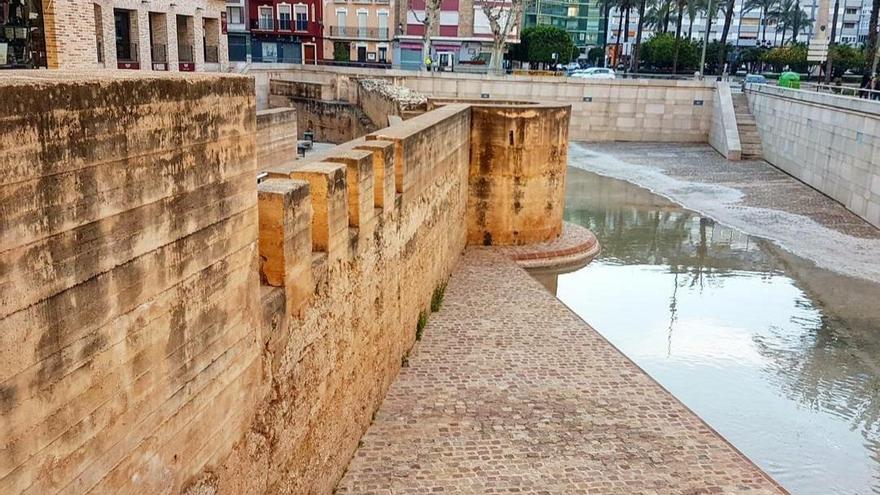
{"x": 332, "y": 121}
{"x": 167, "y": 324}
{"x": 519, "y": 154}
{"x": 724, "y": 135}
{"x": 827, "y": 141}
{"x": 616, "y": 110}
{"x": 380, "y": 99}
{"x": 130, "y": 339}
{"x": 346, "y": 312}
{"x": 276, "y": 136}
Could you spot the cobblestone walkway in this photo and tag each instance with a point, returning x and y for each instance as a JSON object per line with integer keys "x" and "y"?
{"x": 510, "y": 392}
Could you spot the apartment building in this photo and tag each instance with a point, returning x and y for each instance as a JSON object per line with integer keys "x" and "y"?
{"x": 285, "y": 31}
{"x": 359, "y": 31}
{"x": 751, "y": 29}
{"x": 461, "y": 41}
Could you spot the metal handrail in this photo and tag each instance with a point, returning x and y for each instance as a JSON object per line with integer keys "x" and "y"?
{"x": 212, "y": 54}
{"x": 185, "y": 53}
{"x": 132, "y": 52}
{"x": 842, "y": 90}
{"x": 159, "y": 53}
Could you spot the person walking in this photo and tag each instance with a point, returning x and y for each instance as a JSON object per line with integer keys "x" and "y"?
{"x": 874, "y": 86}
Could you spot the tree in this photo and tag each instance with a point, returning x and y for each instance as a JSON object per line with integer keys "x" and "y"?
{"x": 429, "y": 21}
{"x": 659, "y": 52}
{"x": 788, "y": 14}
{"x": 693, "y": 8}
{"x": 728, "y": 19}
{"x": 793, "y": 57}
{"x": 341, "y": 51}
{"x": 681, "y": 4}
{"x": 845, "y": 58}
{"x": 764, "y": 6}
{"x": 504, "y": 18}
{"x": 539, "y": 43}
{"x": 634, "y": 63}
{"x": 870, "y": 67}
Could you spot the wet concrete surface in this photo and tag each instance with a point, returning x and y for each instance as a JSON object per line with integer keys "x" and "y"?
{"x": 779, "y": 352}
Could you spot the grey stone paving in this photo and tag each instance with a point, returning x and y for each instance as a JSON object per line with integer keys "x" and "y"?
{"x": 510, "y": 392}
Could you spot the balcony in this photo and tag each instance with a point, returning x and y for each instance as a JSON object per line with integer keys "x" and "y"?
{"x": 264, "y": 24}
{"x": 126, "y": 52}
{"x": 159, "y": 53}
{"x": 360, "y": 33}
{"x": 284, "y": 24}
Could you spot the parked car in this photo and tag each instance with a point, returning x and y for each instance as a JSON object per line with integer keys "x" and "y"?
{"x": 595, "y": 73}
{"x": 754, "y": 79}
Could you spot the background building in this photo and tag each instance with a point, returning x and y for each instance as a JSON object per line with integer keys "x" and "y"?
{"x": 584, "y": 20}
{"x": 237, "y": 31}
{"x": 22, "y": 39}
{"x": 285, "y": 31}
{"x": 126, "y": 34}
{"x": 359, "y": 31}
{"x": 462, "y": 40}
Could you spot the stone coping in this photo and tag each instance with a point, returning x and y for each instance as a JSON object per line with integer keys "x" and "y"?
{"x": 509, "y": 391}
{"x": 30, "y": 76}
{"x": 576, "y": 246}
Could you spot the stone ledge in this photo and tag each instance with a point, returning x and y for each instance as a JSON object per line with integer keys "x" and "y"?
{"x": 576, "y": 246}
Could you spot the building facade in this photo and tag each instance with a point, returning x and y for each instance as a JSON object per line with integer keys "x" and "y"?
{"x": 359, "y": 31}
{"x": 160, "y": 35}
{"x": 237, "y": 31}
{"x": 461, "y": 41}
{"x": 584, "y": 20}
{"x": 22, "y": 34}
{"x": 285, "y": 31}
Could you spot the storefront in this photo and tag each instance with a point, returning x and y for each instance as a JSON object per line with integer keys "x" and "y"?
{"x": 22, "y": 39}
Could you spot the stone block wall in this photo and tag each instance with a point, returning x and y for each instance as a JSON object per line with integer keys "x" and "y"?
{"x": 130, "y": 338}
{"x": 354, "y": 263}
{"x": 167, "y": 324}
{"x": 332, "y": 121}
{"x": 827, "y": 141}
{"x": 617, "y": 110}
{"x": 276, "y": 136}
{"x": 724, "y": 135}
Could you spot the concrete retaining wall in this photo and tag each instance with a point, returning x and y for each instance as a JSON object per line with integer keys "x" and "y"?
{"x": 724, "y": 135}
{"x": 830, "y": 142}
{"x": 619, "y": 110}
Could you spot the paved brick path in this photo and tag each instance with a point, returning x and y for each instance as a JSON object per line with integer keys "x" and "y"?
{"x": 509, "y": 392}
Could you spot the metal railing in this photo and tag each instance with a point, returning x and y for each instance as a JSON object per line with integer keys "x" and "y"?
{"x": 842, "y": 90}
{"x": 212, "y": 54}
{"x": 100, "y": 51}
{"x": 360, "y": 32}
{"x": 263, "y": 24}
{"x": 284, "y": 24}
{"x": 127, "y": 52}
{"x": 302, "y": 25}
{"x": 185, "y": 53}
{"x": 159, "y": 53}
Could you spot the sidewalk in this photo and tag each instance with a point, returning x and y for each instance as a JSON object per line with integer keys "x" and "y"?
{"x": 510, "y": 392}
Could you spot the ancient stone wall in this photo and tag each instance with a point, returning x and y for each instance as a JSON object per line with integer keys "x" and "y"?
{"x": 130, "y": 339}
{"x": 276, "y": 136}
{"x": 332, "y": 121}
{"x": 380, "y": 99}
{"x": 519, "y": 154}
{"x": 357, "y": 251}
{"x": 167, "y": 324}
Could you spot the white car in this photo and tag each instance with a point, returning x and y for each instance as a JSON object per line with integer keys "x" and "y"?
{"x": 595, "y": 73}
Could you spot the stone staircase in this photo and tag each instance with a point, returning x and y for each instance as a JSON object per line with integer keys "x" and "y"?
{"x": 747, "y": 128}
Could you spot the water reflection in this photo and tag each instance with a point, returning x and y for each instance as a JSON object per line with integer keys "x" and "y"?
{"x": 781, "y": 357}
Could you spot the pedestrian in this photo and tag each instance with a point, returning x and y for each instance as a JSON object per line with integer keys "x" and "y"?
{"x": 875, "y": 87}
{"x": 428, "y": 63}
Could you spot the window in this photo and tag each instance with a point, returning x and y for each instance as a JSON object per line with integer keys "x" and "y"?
{"x": 851, "y": 11}
{"x": 302, "y": 17}
{"x": 383, "y": 54}
{"x": 383, "y": 25}
{"x": 235, "y": 15}
{"x": 284, "y": 17}
{"x": 362, "y": 23}
{"x": 266, "y": 21}
{"x": 849, "y": 25}
{"x": 270, "y": 52}
{"x": 340, "y": 19}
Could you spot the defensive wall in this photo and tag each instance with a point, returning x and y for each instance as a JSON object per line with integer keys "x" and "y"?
{"x": 168, "y": 324}
{"x": 827, "y": 141}
{"x": 276, "y": 136}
